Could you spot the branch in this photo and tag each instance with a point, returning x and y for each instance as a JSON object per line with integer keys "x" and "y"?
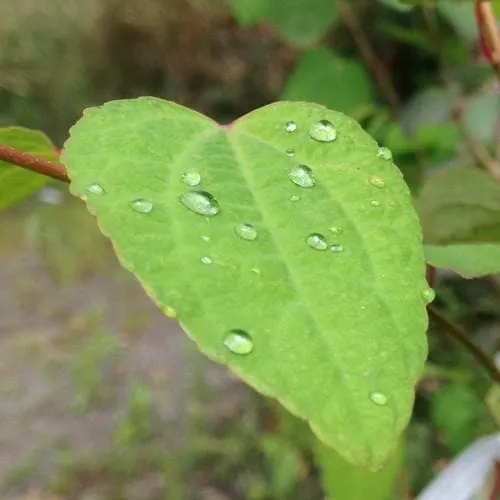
{"x": 31, "y": 162}
{"x": 463, "y": 337}
{"x": 382, "y": 77}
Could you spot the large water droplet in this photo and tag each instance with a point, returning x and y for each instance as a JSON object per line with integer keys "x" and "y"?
{"x": 336, "y": 230}
{"x": 142, "y": 206}
{"x": 200, "y": 202}
{"x": 239, "y": 342}
{"x": 290, "y": 126}
{"x": 290, "y": 152}
{"x": 95, "y": 188}
{"x": 246, "y": 232}
{"x": 323, "y": 131}
{"x": 377, "y": 181}
{"x": 384, "y": 153}
{"x": 337, "y": 248}
{"x": 191, "y": 178}
{"x": 206, "y": 260}
{"x": 428, "y": 295}
{"x": 379, "y": 398}
{"x": 302, "y": 176}
{"x": 317, "y": 241}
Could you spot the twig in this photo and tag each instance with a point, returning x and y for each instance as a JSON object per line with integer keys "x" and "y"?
{"x": 30, "y": 162}
{"x": 462, "y": 336}
{"x": 491, "y": 32}
{"x": 382, "y": 77}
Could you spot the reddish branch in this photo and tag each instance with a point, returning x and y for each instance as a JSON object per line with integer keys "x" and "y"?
{"x": 33, "y": 163}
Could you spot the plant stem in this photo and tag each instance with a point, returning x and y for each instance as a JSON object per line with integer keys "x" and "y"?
{"x": 31, "y": 162}
{"x": 461, "y": 335}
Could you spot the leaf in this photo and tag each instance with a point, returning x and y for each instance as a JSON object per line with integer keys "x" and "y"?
{"x": 481, "y": 115}
{"x": 249, "y": 12}
{"x": 348, "y": 89}
{"x": 468, "y": 260}
{"x": 460, "y": 205}
{"x": 17, "y": 183}
{"x": 492, "y": 402}
{"x": 461, "y": 16}
{"x": 397, "y": 5}
{"x": 343, "y": 481}
{"x": 337, "y": 336}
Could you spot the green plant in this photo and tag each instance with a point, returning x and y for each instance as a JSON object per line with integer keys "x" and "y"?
{"x": 287, "y": 244}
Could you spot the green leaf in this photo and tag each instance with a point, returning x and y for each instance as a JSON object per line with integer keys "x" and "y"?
{"x": 461, "y": 16}
{"x": 348, "y": 89}
{"x": 469, "y": 260}
{"x": 397, "y": 5}
{"x": 341, "y": 480}
{"x": 460, "y": 205}
{"x": 249, "y": 12}
{"x": 492, "y": 401}
{"x": 337, "y": 336}
{"x": 17, "y": 183}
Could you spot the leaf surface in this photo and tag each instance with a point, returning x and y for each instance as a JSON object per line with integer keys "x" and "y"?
{"x": 336, "y": 335}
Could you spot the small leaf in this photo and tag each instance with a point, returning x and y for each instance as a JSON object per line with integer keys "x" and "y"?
{"x": 336, "y": 334}
{"x": 249, "y": 12}
{"x": 17, "y": 183}
{"x": 469, "y": 260}
{"x": 322, "y": 77}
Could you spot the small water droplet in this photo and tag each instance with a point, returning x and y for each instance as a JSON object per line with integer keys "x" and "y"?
{"x": 239, "y": 342}
{"x": 246, "y": 232}
{"x": 206, "y": 260}
{"x": 336, "y": 230}
{"x": 290, "y": 126}
{"x": 428, "y": 295}
{"x": 206, "y": 238}
{"x": 191, "y": 178}
{"x": 377, "y": 181}
{"x": 95, "y": 188}
{"x": 290, "y": 152}
{"x": 337, "y": 248}
{"x": 255, "y": 270}
{"x": 200, "y": 202}
{"x": 379, "y": 398}
{"x": 302, "y": 176}
{"x": 295, "y": 198}
{"x": 317, "y": 241}
{"x": 323, "y": 131}
{"x": 142, "y": 206}
{"x": 375, "y": 203}
{"x": 384, "y": 153}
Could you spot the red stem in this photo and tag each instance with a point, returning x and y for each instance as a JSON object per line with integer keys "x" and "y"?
{"x": 31, "y": 162}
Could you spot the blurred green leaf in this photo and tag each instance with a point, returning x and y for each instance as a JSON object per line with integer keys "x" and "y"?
{"x": 249, "y": 12}
{"x": 492, "y": 401}
{"x": 461, "y": 16}
{"x": 459, "y": 205}
{"x": 321, "y": 76}
{"x": 397, "y": 5}
{"x": 343, "y": 481}
{"x": 17, "y": 183}
{"x": 482, "y": 112}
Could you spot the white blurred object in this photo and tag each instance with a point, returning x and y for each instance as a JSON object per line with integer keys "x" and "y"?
{"x": 467, "y": 476}
{"x": 50, "y": 196}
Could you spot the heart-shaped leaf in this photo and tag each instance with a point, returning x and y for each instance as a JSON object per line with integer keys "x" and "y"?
{"x": 286, "y": 245}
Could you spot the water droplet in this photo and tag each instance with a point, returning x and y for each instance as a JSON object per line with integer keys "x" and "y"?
{"x": 206, "y": 238}
{"x": 206, "y": 260}
{"x": 337, "y": 248}
{"x": 290, "y": 126}
{"x": 428, "y": 295}
{"x": 323, "y": 131}
{"x": 375, "y": 203}
{"x": 246, "y": 232}
{"x": 379, "y": 398}
{"x": 191, "y": 178}
{"x": 295, "y": 197}
{"x": 377, "y": 181}
{"x": 255, "y": 270}
{"x": 317, "y": 241}
{"x": 336, "y": 230}
{"x": 239, "y": 342}
{"x": 302, "y": 176}
{"x": 142, "y": 206}
{"x": 384, "y": 153}
{"x": 95, "y": 188}
{"x": 290, "y": 152}
{"x": 200, "y": 202}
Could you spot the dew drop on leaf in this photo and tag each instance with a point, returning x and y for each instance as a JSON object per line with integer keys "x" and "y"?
{"x": 239, "y": 342}
{"x": 205, "y": 238}
{"x": 200, "y": 202}
{"x": 290, "y": 126}
{"x": 246, "y": 232}
{"x": 337, "y": 248}
{"x": 295, "y": 198}
{"x": 290, "y": 152}
{"x": 302, "y": 176}
{"x": 191, "y": 178}
{"x": 317, "y": 241}
{"x": 95, "y": 188}
{"x": 377, "y": 181}
{"x": 336, "y": 230}
{"x": 428, "y": 295}
{"x": 323, "y": 131}
{"x": 384, "y": 153}
{"x": 142, "y": 206}
{"x": 378, "y": 398}
{"x": 206, "y": 260}
{"x": 375, "y": 203}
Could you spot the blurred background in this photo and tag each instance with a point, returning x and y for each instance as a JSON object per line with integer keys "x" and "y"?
{"x": 101, "y": 396}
